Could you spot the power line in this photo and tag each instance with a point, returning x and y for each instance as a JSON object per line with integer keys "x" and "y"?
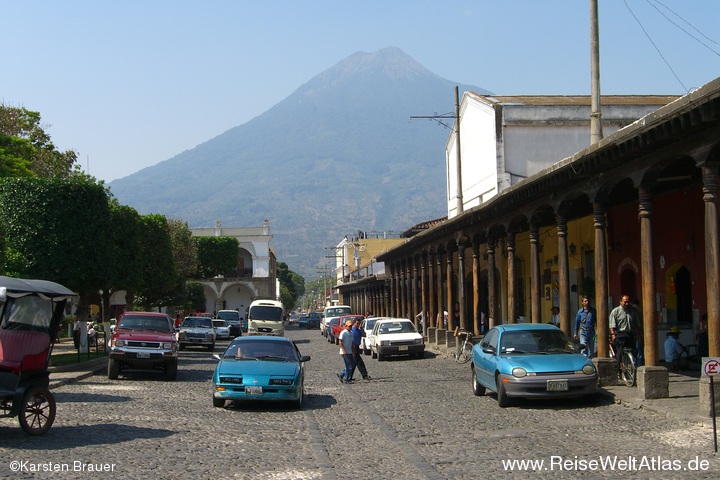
{"x": 687, "y": 23}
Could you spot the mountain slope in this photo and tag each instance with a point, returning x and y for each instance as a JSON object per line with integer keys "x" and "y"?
{"x": 337, "y": 155}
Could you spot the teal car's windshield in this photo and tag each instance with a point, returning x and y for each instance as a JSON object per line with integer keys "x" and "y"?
{"x": 536, "y": 342}
{"x": 262, "y": 350}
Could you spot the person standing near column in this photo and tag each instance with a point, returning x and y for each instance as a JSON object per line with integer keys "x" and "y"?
{"x": 584, "y": 330}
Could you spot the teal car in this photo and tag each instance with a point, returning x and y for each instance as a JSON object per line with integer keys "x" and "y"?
{"x": 530, "y": 361}
{"x": 260, "y": 368}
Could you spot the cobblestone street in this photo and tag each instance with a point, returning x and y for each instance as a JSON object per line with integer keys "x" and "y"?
{"x": 417, "y": 418}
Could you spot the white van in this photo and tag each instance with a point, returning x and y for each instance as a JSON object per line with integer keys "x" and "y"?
{"x": 265, "y": 317}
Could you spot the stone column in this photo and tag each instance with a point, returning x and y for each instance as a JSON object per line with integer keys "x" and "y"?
{"x": 601, "y": 280}
{"x": 491, "y": 282}
{"x": 652, "y": 379}
{"x": 415, "y": 294}
{"x": 450, "y": 296}
{"x": 712, "y": 256}
{"x": 535, "y": 280}
{"x": 431, "y": 290}
{"x": 563, "y": 275}
{"x": 476, "y": 286}
{"x": 461, "y": 285}
{"x": 512, "y": 310}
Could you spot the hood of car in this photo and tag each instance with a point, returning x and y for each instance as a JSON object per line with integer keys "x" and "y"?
{"x": 144, "y": 335}
{"x": 399, "y": 336}
{"x": 547, "y": 363}
{"x": 196, "y": 329}
{"x": 257, "y": 367}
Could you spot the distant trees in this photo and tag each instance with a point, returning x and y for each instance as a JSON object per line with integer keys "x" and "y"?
{"x": 26, "y": 149}
{"x": 292, "y": 285}
{"x": 60, "y": 224}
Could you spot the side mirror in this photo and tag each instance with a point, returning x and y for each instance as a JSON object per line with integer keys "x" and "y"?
{"x": 305, "y": 358}
{"x": 216, "y": 356}
{"x": 489, "y": 350}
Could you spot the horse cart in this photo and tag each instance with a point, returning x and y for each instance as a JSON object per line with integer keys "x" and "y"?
{"x": 31, "y": 312}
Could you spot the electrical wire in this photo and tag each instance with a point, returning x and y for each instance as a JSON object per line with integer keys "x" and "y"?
{"x": 655, "y": 46}
{"x": 687, "y": 23}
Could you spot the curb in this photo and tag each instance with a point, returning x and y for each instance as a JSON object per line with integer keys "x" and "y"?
{"x": 75, "y": 372}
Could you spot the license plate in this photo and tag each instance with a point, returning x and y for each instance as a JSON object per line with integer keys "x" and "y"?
{"x": 403, "y": 348}
{"x": 253, "y": 390}
{"x": 143, "y": 355}
{"x": 557, "y": 386}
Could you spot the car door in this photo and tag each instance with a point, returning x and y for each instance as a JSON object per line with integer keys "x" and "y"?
{"x": 485, "y": 358}
{"x": 371, "y": 337}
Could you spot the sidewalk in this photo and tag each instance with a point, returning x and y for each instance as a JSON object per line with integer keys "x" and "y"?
{"x": 74, "y": 372}
{"x": 682, "y": 404}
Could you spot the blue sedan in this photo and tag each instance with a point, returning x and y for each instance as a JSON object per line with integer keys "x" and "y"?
{"x": 260, "y": 368}
{"x": 530, "y": 361}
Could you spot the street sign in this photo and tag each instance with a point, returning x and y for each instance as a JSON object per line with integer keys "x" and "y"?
{"x": 711, "y": 366}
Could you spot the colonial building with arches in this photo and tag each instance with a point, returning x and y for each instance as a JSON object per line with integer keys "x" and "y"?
{"x": 635, "y": 213}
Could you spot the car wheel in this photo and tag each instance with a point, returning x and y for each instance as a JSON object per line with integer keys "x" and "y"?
{"x": 171, "y": 371}
{"x": 503, "y": 399}
{"x": 373, "y": 354}
{"x": 478, "y": 389}
{"x": 299, "y": 401}
{"x": 180, "y": 346}
{"x": 218, "y": 402}
{"x": 367, "y": 351}
{"x": 420, "y": 354}
{"x": 380, "y": 356}
{"x": 211, "y": 347}
{"x": 113, "y": 369}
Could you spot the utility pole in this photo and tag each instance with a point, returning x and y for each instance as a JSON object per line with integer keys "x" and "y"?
{"x": 458, "y": 155}
{"x": 596, "y": 133}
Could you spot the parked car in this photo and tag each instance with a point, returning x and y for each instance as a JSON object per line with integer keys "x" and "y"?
{"x": 395, "y": 336}
{"x": 196, "y": 331}
{"x": 304, "y": 321}
{"x": 260, "y": 368}
{"x": 340, "y": 325}
{"x": 222, "y": 330}
{"x": 367, "y": 325}
{"x": 530, "y": 360}
{"x": 143, "y": 340}
{"x": 236, "y": 323}
{"x": 314, "y": 320}
{"x": 293, "y": 319}
{"x": 332, "y": 321}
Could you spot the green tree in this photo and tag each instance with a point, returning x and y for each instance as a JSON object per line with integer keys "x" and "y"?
{"x": 290, "y": 281}
{"x": 57, "y": 229}
{"x": 127, "y": 266}
{"x": 158, "y": 268}
{"x": 216, "y": 255}
{"x": 184, "y": 248}
{"x": 26, "y": 149}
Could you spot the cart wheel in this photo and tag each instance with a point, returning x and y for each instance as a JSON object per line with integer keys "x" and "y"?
{"x": 38, "y": 412}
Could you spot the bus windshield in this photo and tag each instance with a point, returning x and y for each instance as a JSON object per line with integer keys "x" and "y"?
{"x": 261, "y": 312}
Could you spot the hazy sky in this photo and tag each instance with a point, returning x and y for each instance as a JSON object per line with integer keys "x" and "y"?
{"x": 128, "y": 84}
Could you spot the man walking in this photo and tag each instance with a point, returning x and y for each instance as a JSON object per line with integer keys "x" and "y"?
{"x": 346, "y": 350}
{"x": 584, "y": 330}
{"x": 358, "y": 333}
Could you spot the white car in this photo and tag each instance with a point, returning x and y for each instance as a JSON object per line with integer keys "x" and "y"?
{"x": 222, "y": 329}
{"x": 367, "y": 326}
{"x": 395, "y": 336}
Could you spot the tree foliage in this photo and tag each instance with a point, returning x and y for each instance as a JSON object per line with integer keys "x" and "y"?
{"x": 127, "y": 229}
{"x": 26, "y": 149}
{"x": 184, "y": 248}
{"x": 57, "y": 230}
{"x": 291, "y": 282}
{"x": 158, "y": 268}
{"x": 216, "y": 255}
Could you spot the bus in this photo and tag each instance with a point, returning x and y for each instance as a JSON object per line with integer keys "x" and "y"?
{"x": 265, "y": 317}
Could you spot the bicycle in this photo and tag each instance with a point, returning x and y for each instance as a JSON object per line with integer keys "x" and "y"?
{"x": 463, "y": 351}
{"x": 627, "y": 366}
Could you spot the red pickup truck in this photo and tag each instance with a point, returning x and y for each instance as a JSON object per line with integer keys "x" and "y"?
{"x": 144, "y": 340}
{"x": 340, "y": 325}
